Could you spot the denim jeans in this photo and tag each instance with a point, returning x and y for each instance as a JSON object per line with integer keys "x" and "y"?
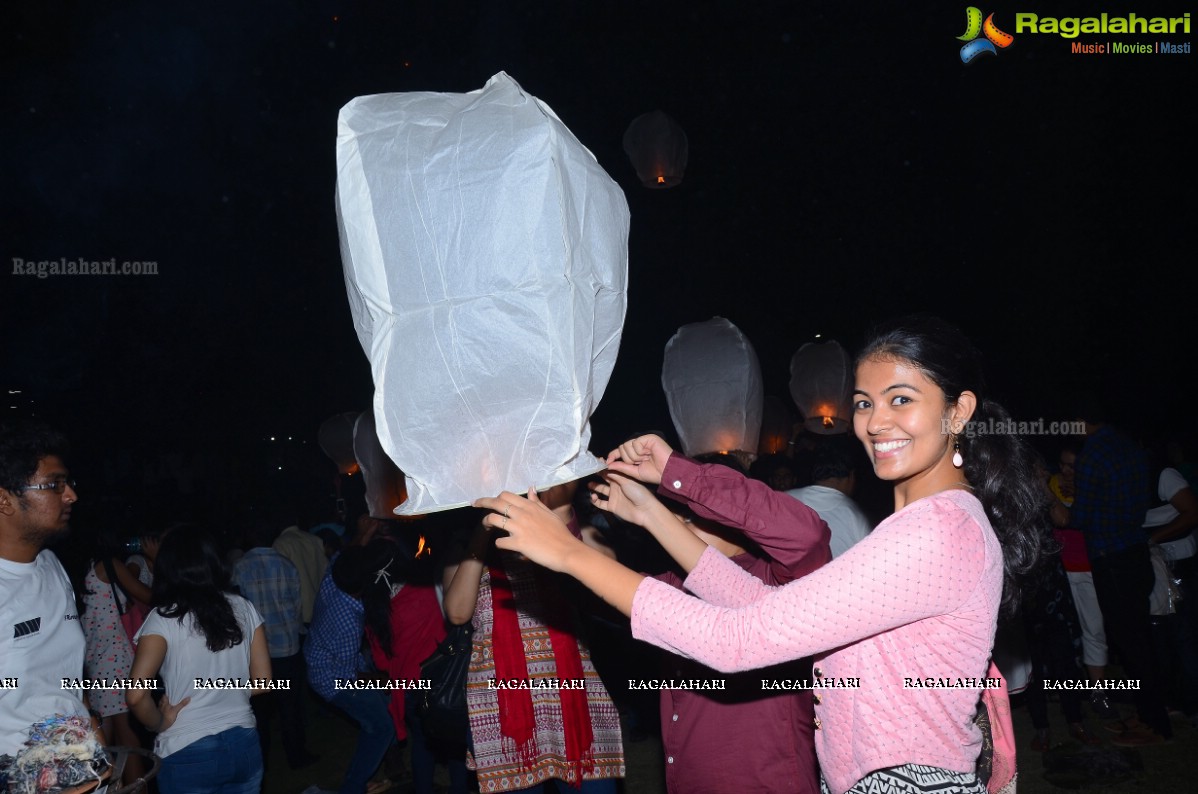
{"x": 376, "y": 732}
{"x": 229, "y": 762}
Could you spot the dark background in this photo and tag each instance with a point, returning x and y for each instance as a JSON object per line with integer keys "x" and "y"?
{"x": 845, "y": 167}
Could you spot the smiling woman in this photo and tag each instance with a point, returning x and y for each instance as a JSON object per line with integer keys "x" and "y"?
{"x": 902, "y": 416}
{"x": 917, "y": 600}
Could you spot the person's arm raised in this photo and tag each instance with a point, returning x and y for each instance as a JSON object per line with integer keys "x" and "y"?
{"x": 534, "y": 531}
{"x": 643, "y": 458}
{"x": 778, "y": 522}
{"x": 631, "y": 501}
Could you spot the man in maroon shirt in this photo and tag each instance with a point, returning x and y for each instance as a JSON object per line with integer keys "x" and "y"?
{"x": 746, "y": 736}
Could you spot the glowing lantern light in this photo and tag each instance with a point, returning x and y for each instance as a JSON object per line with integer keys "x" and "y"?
{"x": 777, "y": 426}
{"x": 657, "y": 147}
{"x": 336, "y": 439}
{"x": 384, "y": 481}
{"x": 819, "y": 384}
{"x": 713, "y": 386}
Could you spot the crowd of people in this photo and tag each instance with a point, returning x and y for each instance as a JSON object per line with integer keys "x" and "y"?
{"x": 866, "y": 650}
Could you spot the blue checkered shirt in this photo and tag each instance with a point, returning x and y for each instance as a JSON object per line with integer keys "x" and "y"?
{"x": 271, "y": 582}
{"x": 333, "y": 646}
{"x": 1113, "y": 491}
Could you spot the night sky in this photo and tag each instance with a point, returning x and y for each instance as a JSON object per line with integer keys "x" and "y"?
{"x": 845, "y": 167}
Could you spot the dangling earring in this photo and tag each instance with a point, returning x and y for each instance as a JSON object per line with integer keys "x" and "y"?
{"x": 958, "y": 461}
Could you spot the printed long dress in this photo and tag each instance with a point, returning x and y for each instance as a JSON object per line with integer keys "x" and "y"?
{"x": 109, "y": 652}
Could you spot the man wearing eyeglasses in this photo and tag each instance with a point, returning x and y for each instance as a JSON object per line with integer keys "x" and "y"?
{"x": 41, "y": 641}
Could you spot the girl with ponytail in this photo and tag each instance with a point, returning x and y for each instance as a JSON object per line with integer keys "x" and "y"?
{"x": 902, "y": 624}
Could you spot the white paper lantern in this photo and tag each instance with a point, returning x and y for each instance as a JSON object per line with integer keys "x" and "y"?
{"x": 336, "y": 439}
{"x": 713, "y": 386}
{"x": 657, "y": 147}
{"x": 383, "y": 479}
{"x": 486, "y": 259}
{"x": 820, "y": 380}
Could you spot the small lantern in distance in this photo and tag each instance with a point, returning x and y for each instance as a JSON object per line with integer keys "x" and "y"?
{"x": 657, "y": 147}
{"x": 712, "y": 381}
{"x": 819, "y": 384}
{"x": 336, "y": 439}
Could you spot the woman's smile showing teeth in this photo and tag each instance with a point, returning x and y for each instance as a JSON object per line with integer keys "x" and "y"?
{"x": 906, "y": 424}
{"x": 884, "y": 448}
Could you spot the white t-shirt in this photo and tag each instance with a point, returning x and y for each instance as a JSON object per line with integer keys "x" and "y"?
{"x": 1169, "y": 484}
{"x": 41, "y": 643}
{"x": 210, "y": 711}
{"x": 847, "y": 522}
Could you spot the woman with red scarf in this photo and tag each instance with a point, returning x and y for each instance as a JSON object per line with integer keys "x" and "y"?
{"x": 538, "y": 711}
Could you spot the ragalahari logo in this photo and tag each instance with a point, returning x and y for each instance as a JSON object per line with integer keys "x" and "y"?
{"x": 974, "y": 26}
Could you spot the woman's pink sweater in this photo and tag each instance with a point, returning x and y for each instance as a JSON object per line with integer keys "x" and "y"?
{"x": 907, "y": 615}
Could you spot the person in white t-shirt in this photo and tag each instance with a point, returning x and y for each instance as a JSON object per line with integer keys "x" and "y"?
{"x": 831, "y": 496}
{"x": 209, "y": 647}
{"x": 1171, "y": 525}
{"x": 41, "y": 642}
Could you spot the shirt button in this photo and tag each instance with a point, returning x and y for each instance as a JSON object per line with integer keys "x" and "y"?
{"x": 675, "y": 718}
{"x": 818, "y": 673}
{"x": 816, "y": 699}
{"x": 677, "y": 483}
{"x": 670, "y": 760}
{"x": 818, "y": 724}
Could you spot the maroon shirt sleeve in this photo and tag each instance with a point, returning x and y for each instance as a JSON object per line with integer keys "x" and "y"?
{"x": 790, "y": 532}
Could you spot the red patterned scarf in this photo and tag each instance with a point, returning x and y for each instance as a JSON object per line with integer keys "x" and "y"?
{"x": 516, "y": 719}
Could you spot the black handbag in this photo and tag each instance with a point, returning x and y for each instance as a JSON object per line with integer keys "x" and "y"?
{"x": 442, "y": 707}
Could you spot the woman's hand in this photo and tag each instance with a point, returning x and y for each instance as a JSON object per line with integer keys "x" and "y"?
{"x": 623, "y": 497}
{"x": 532, "y": 529}
{"x": 170, "y": 712}
{"x": 642, "y": 458}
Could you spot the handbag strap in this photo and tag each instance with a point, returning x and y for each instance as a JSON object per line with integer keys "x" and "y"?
{"x": 121, "y": 607}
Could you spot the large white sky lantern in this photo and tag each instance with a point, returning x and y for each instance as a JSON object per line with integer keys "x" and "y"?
{"x": 713, "y": 386}
{"x": 820, "y": 375}
{"x": 486, "y": 260}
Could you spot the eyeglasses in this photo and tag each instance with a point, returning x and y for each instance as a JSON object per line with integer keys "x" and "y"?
{"x": 58, "y": 486}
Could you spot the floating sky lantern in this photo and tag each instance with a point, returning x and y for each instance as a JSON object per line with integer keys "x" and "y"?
{"x": 657, "y": 147}
{"x": 819, "y": 383}
{"x": 486, "y": 261}
{"x": 383, "y": 479}
{"x": 712, "y": 382}
{"x": 336, "y": 439}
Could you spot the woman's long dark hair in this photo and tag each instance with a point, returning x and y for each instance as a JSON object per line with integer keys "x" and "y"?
{"x": 360, "y": 571}
{"x": 1000, "y": 466}
{"x": 356, "y": 572}
{"x": 190, "y": 579}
